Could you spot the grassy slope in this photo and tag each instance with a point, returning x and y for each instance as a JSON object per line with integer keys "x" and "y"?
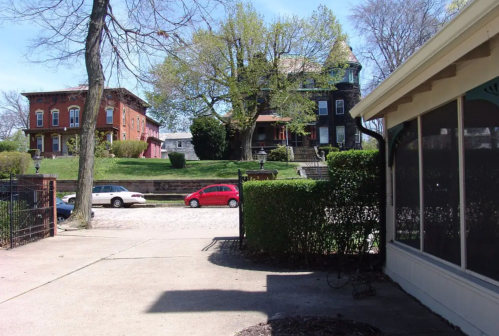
{"x": 146, "y": 169}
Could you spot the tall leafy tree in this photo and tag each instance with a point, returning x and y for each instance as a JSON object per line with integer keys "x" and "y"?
{"x": 208, "y": 138}
{"x": 242, "y": 66}
{"x": 112, "y": 38}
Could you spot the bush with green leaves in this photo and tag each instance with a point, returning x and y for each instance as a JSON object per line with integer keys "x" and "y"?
{"x": 14, "y": 163}
{"x": 128, "y": 148}
{"x": 9, "y": 146}
{"x": 177, "y": 159}
{"x": 309, "y": 217}
{"x": 208, "y": 138}
{"x": 279, "y": 154}
{"x": 328, "y": 149}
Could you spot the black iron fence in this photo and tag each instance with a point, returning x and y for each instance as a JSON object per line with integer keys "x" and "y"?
{"x": 26, "y": 210}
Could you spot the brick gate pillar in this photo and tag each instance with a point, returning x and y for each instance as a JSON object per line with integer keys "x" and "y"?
{"x": 45, "y": 187}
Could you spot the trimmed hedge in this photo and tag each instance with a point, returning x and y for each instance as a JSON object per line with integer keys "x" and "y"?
{"x": 14, "y": 162}
{"x": 279, "y": 154}
{"x": 129, "y": 148}
{"x": 177, "y": 159}
{"x": 316, "y": 217}
{"x": 328, "y": 149}
{"x": 9, "y": 146}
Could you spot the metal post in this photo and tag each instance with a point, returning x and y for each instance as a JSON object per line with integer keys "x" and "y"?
{"x": 11, "y": 212}
{"x": 241, "y": 202}
{"x": 51, "y": 205}
{"x": 287, "y": 159}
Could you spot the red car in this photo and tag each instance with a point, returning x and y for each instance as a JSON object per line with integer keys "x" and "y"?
{"x": 216, "y": 194}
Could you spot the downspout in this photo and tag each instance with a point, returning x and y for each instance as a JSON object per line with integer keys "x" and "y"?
{"x": 382, "y": 186}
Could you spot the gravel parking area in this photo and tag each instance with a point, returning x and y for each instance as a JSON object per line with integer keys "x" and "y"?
{"x": 168, "y": 218}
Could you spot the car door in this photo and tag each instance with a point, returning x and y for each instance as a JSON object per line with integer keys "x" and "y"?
{"x": 106, "y": 194}
{"x": 209, "y": 195}
{"x": 96, "y": 195}
{"x": 224, "y": 194}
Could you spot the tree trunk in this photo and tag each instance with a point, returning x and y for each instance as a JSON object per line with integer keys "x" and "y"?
{"x": 246, "y": 136}
{"x": 83, "y": 205}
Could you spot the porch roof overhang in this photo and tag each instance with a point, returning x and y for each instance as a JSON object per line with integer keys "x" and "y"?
{"x": 464, "y": 39}
{"x": 271, "y": 118}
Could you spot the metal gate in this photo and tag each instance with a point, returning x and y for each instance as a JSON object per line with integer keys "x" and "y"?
{"x": 26, "y": 210}
{"x": 241, "y": 180}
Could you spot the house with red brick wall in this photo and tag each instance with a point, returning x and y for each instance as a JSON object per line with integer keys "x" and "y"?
{"x": 152, "y": 138}
{"x": 55, "y": 118}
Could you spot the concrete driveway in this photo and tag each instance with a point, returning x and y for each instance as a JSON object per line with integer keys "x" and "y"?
{"x": 174, "y": 281}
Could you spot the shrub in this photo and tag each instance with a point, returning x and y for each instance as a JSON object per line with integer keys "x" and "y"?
{"x": 33, "y": 152}
{"x": 208, "y": 138}
{"x": 328, "y": 149}
{"x": 14, "y": 163}
{"x": 279, "y": 154}
{"x": 317, "y": 217}
{"x": 129, "y": 148}
{"x": 177, "y": 159}
{"x": 9, "y": 146}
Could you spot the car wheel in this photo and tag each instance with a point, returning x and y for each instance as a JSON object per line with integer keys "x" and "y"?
{"x": 233, "y": 203}
{"x": 72, "y": 200}
{"x": 194, "y": 203}
{"x": 116, "y": 202}
{"x": 60, "y": 218}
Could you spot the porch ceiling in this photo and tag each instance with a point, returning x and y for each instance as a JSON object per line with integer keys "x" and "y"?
{"x": 464, "y": 39}
{"x": 271, "y": 118}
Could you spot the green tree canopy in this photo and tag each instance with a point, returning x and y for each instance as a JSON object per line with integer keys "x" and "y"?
{"x": 208, "y": 138}
{"x": 243, "y": 66}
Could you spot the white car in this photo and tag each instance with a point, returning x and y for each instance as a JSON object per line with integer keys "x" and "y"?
{"x": 116, "y": 196}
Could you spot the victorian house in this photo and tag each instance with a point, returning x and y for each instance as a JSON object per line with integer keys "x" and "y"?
{"x": 55, "y": 119}
{"x": 333, "y": 126}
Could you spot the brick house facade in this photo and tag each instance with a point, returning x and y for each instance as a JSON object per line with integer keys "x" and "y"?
{"x": 55, "y": 117}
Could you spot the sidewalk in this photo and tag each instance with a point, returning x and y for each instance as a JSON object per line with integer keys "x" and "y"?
{"x": 138, "y": 282}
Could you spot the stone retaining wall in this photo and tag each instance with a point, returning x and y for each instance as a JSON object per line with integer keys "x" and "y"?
{"x": 151, "y": 186}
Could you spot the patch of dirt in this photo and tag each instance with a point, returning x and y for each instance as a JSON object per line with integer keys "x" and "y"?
{"x": 311, "y": 326}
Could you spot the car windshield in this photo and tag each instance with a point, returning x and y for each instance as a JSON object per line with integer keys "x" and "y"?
{"x": 58, "y": 201}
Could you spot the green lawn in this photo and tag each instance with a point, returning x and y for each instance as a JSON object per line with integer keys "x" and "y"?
{"x": 147, "y": 169}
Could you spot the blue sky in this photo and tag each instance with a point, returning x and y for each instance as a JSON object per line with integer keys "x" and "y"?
{"x": 17, "y": 73}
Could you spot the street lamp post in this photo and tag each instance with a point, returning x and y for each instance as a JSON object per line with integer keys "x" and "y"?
{"x": 37, "y": 160}
{"x": 262, "y": 157}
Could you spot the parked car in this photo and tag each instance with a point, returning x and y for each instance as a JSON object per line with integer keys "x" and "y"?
{"x": 216, "y": 194}
{"x": 115, "y": 196}
{"x": 64, "y": 210}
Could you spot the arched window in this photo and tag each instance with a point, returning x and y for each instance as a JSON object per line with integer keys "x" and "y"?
{"x": 74, "y": 116}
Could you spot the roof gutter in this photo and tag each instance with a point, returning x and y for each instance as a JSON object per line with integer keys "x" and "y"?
{"x": 382, "y": 187}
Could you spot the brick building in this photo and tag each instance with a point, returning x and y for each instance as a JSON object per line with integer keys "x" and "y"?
{"x": 55, "y": 118}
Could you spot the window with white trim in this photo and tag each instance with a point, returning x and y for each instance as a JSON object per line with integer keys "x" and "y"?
{"x": 323, "y": 135}
{"x": 124, "y": 136}
{"x": 55, "y": 118}
{"x": 109, "y": 116}
{"x": 74, "y": 117}
{"x": 179, "y": 144}
{"x": 39, "y": 119}
{"x": 138, "y": 124}
{"x": 39, "y": 143}
{"x": 143, "y": 125}
{"x": 124, "y": 117}
{"x": 132, "y": 122}
{"x": 109, "y": 138}
{"x": 340, "y": 134}
{"x": 322, "y": 107}
{"x": 357, "y": 136}
{"x": 340, "y": 106}
{"x": 55, "y": 143}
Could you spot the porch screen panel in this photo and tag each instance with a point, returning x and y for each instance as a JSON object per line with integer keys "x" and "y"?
{"x": 441, "y": 223}
{"x": 481, "y": 158}
{"x": 407, "y": 199}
